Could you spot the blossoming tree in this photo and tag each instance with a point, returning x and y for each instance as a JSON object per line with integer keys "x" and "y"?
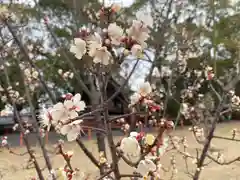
{"x": 105, "y": 46}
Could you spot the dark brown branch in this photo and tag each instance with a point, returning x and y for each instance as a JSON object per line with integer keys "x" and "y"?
{"x": 123, "y": 85}
{"x": 66, "y": 158}
{"x": 83, "y": 116}
{"x": 106, "y": 174}
{"x": 226, "y": 138}
{"x": 96, "y": 129}
{"x": 111, "y": 144}
{"x": 223, "y": 163}
{"x": 208, "y": 141}
{"x": 124, "y": 116}
{"x": 131, "y": 175}
{"x": 126, "y": 160}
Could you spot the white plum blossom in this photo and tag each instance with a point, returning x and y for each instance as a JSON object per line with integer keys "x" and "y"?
{"x": 71, "y": 75}
{"x": 133, "y": 134}
{"x": 94, "y": 43}
{"x": 145, "y": 17}
{"x": 198, "y": 73}
{"x": 46, "y": 118}
{"x": 4, "y": 98}
{"x": 145, "y": 166}
{"x": 139, "y": 32}
{"x": 209, "y": 73}
{"x": 1, "y": 89}
{"x": 76, "y": 103}
{"x": 27, "y": 72}
{"x": 199, "y": 132}
{"x": 115, "y": 33}
{"x": 62, "y": 112}
{"x": 30, "y": 74}
{"x": 184, "y": 109}
{"x": 62, "y": 174}
{"x": 130, "y": 147}
{"x": 99, "y": 53}
{"x": 134, "y": 99}
{"x": 136, "y": 50}
{"x": 66, "y": 75}
{"x": 145, "y": 89}
{"x": 235, "y": 100}
{"x": 35, "y": 74}
{"x": 78, "y": 48}
{"x": 4, "y": 141}
{"x": 71, "y": 130}
{"x": 231, "y": 92}
{"x": 60, "y": 71}
{"x": 102, "y": 56}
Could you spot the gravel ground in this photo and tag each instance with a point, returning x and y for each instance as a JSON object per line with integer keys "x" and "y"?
{"x": 14, "y": 167}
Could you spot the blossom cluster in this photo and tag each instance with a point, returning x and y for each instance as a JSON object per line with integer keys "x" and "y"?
{"x": 31, "y": 76}
{"x": 13, "y": 94}
{"x": 235, "y": 100}
{"x": 136, "y": 143}
{"x": 63, "y": 116}
{"x": 99, "y": 46}
{"x": 65, "y": 75}
{"x": 144, "y": 95}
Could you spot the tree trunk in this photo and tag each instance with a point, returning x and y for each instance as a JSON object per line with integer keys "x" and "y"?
{"x": 95, "y": 101}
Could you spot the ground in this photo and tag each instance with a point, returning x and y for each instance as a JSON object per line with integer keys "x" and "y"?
{"x": 14, "y": 167}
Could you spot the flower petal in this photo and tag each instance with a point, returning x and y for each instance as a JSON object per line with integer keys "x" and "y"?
{"x": 58, "y": 106}
{"x": 129, "y": 145}
{"x": 79, "y": 42}
{"x": 65, "y": 129}
{"x": 73, "y": 49}
{"x": 65, "y": 117}
{"x": 135, "y": 98}
{"x": 145, "y": 89}
{"x": 73, "y": 133}
{"x": 79, "y": 55}
{"x": 150, "y": 165}
{"x": 56, "y": 115}
{"x": 68, "y": 104}
{"x": 72, "y": 114}
{"x": 142, "y": 168}
{"x": 133, "y": 134}
{"x": 136, "y": 50}
{"x": 76, "y": 98}
{"x": 80, "y": 106}
{"x": 77, "y": 122}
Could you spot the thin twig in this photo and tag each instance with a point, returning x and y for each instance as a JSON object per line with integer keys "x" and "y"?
{"x": 226, "y": 138}
{"x": 223, "y": 163}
